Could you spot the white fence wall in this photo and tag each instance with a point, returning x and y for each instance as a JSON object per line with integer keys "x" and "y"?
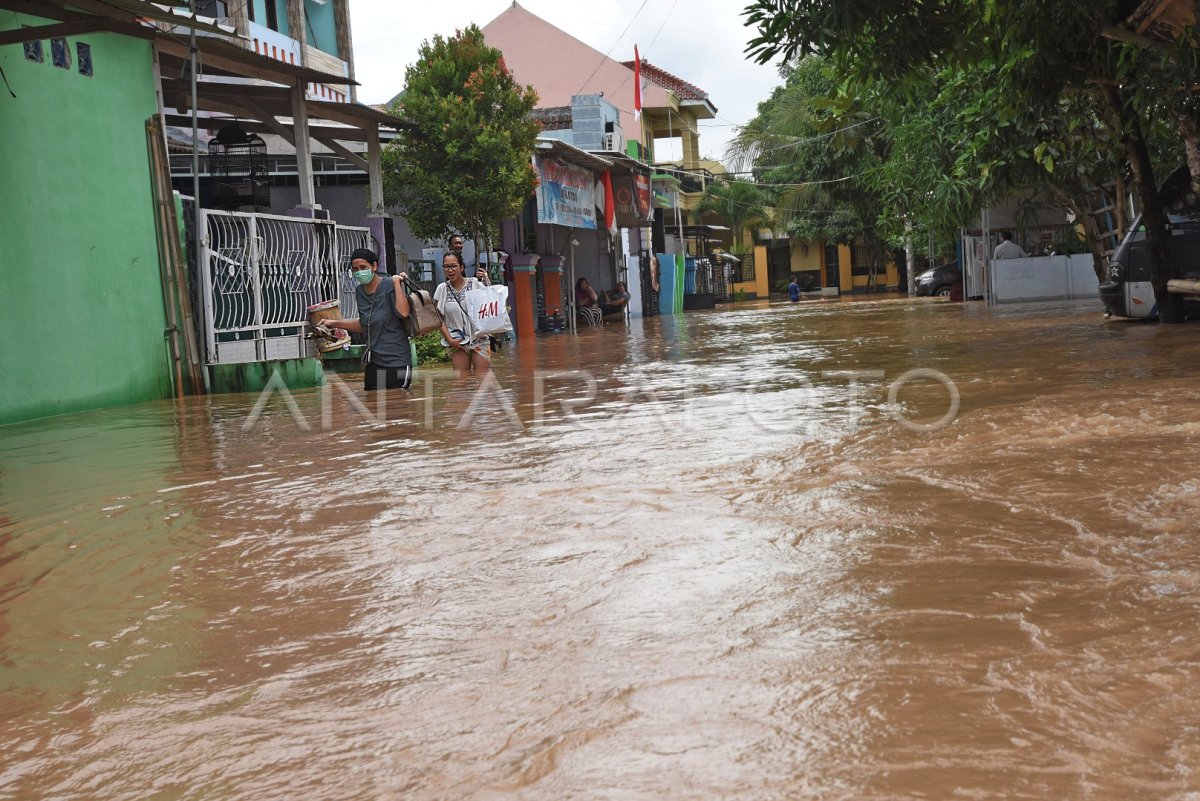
{"x": 1044, "y": 278}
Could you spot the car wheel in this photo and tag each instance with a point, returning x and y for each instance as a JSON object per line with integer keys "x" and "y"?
{"x": 942, "y": 291}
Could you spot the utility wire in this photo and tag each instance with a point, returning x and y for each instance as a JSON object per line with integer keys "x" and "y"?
{"x": 614, "y": 45}
{"x": 648, "y": 47}
{"x": 798, "y": 140}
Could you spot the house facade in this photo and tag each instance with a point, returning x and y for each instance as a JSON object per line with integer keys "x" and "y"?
{"x": 92, "y": 232}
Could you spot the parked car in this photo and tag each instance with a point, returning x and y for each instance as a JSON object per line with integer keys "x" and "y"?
{"x": 1128, "y": 291}
{"x": 939, "y": 280}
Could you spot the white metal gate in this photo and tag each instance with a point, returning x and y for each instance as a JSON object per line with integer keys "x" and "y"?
{"x": 260, "y": 273}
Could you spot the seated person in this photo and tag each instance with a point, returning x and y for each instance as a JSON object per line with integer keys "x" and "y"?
{"x": 586, "y": 302}
{"x": 614, "y": 302}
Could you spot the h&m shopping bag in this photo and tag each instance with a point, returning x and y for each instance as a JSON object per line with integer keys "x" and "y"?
{"x": 488, "y": 309}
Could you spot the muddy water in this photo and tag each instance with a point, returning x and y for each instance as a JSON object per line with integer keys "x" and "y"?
{"x": 726, "y": 570}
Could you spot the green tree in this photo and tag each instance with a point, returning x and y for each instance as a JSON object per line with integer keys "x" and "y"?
{"x": 739, "y": 203}
{"x": 465, "y": 163}
{"x": 820, "y": 150}
{"x": 1025, "y": 60}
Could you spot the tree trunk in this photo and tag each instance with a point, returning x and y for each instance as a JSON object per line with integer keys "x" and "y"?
{"x": 1154, "y": 218}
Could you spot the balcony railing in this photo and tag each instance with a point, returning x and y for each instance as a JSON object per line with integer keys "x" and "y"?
{"x": 689, "y": 180}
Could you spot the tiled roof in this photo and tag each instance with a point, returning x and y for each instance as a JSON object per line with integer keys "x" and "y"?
{"x": 682, "y": 89}
{"x": 553, "y": 118}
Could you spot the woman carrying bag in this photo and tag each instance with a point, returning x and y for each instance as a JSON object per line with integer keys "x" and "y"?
{"x": 382, "y": 313}
{"x": 466, "y": 351}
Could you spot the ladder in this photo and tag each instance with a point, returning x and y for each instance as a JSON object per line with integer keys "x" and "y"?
{"x": 1109, "y": 216}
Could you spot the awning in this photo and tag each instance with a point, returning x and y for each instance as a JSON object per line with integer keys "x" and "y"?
{"x": 569, "y": 154}
{"x": 245, "y": 100}
{"x": 623, "y": 164}
{"x": 128, "y": 17}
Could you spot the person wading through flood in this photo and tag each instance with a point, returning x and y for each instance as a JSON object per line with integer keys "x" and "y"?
{"x": 466, "y": 351}
{"x": 382, "y": 309}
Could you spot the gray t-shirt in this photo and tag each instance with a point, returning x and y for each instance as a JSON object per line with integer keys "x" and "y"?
{"x": 383, "y": 328}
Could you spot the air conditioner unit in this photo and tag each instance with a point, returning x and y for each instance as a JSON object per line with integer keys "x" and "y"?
{"x": 612, "y": 142}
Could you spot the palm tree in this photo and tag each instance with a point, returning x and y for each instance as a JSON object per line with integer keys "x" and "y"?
{"x": 738, "y": 203}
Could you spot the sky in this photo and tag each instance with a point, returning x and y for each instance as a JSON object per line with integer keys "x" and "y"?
{"x": 701, "y": 41}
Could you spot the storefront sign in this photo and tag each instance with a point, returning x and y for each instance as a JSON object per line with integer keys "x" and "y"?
{"x": 565, "y": 194}
{"x": 633, "y": 200}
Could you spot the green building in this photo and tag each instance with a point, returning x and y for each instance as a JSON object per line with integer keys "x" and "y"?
{"x": 81, "y": 273}
{"x": 79, "y": 263}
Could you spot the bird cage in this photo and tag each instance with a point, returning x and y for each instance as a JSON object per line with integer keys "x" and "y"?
{"x": 238, "y": 163}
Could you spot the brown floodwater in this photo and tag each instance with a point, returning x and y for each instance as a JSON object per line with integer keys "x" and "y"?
{"x": 728, "y": 568}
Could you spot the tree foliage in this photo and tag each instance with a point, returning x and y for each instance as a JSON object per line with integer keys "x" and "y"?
{"x": 465, "y": 164}
{"x": 1006, "y": 85}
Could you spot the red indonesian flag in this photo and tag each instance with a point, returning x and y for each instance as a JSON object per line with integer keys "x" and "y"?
{"x": 637, "y": 84}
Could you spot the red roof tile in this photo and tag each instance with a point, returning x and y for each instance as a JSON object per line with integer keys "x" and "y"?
{"x": 682, "y": 89}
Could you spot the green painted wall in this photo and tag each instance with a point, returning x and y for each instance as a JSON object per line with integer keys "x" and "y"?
{"x": 79, "y": 274}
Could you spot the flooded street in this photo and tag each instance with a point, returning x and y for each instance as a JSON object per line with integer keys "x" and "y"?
{"x": 733, "y": 574}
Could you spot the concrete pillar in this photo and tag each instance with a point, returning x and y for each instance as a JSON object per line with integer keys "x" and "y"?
{"x": 308, "y": 193}
{"x": 845, "y": 270}
{"x": 552, "y": 284}
{"x": 374, "y": 168}
{"x": 691, "y": 148}
{"x": 524, "y": 273}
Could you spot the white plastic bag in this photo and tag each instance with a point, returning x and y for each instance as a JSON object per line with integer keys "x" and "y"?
{"x": 488, "y": 309}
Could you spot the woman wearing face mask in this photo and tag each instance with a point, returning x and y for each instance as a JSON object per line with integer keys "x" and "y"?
{"x": 466, "y": 352}
{"x": 382, "y": 307}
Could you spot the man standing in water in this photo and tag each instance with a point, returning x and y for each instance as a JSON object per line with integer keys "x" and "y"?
{"x": 794, "y": 289}
{"x": 1008, "y": 249}
{"x": 456, "y": 247}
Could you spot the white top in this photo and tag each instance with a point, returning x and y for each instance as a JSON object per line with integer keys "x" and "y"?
{"x": 451, "y": 304}
{"x": 1009, "y": 250}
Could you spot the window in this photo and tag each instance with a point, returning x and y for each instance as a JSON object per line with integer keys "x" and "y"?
{"x": 60, "y": 53}
{"x": 33, "y": 51}
{"x": 83, "y": 55}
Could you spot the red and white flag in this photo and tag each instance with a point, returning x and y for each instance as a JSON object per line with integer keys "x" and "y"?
{"x": 637, "y": 84}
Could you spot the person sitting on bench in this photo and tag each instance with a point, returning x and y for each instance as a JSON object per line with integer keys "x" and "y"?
{"x": 585, "y": 303}
{"x": 614, "y": 302}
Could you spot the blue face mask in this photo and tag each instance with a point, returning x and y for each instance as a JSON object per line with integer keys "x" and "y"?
{"x": 364, "y": 276}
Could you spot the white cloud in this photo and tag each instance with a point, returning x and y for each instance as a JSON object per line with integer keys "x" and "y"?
{"x": 702, "y": 41}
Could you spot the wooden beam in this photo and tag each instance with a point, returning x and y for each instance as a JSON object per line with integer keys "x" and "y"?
{"x": 262, "y": 72}
{"x": 1155, "y": 14}
{"x": 36, "y": 9}
{"x": 296, "y": 27}
{"x": 268, "y": 119}
{"x": 349, "y": 155}
{"x": 72, "y": 28}
{"x": 1123, "y": 35}
{"x": 251, "y": 124}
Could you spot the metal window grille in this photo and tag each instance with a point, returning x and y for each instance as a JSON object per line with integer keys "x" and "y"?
{"x": 260, "y": 273}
